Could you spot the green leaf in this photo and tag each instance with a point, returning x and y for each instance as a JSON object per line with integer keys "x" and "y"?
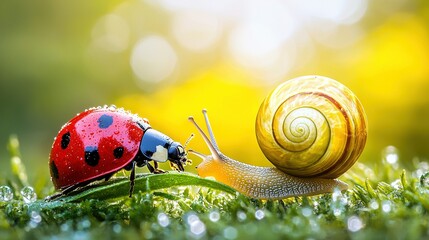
{"x": 144, "y": 183}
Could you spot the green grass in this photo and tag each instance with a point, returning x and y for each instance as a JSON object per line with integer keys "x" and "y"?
{"x": 383, "y": 202}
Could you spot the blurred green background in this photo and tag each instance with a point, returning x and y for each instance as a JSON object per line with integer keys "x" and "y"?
{"x": 168, "y": 59}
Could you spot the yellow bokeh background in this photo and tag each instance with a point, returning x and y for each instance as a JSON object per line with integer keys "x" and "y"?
{"x": 167, "y": 60}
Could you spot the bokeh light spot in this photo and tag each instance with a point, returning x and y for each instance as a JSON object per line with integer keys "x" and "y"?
{"x": 111, "y": 33}
{"x": 153, "y": 59}
{"x": 196, "y": 31}
{"x": 338, "y": 11}
{"x": 354, "y": 224}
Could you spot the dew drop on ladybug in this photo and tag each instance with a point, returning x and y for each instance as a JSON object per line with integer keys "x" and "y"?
{"x": 101, "y": 141}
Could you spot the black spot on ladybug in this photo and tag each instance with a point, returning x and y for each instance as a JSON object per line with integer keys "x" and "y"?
{"x": 54, "y": 169}
{"x": 65, "y": 140}
{"x": 105, "y": 121}
{"x": 118, "y": 152}
{"x": 91, "y": 156}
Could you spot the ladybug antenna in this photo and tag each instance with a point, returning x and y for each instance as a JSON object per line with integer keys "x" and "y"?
{"x": 188, "y": 140}
{"x": 179, "y": 166}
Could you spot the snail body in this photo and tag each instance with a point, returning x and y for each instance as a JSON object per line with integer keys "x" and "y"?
{"x": 312, "y": 128}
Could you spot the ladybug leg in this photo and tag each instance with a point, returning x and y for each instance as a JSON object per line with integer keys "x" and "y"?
{"x": 173, "y": 166}
{"x": 177, "y": 166}
{"x": 155, "y": 169}
{"x": 69, "y": 189}
{"x": 132, "y": 177}
{"x": 66, "y": 191}
{"x": 107, "y": 177}
{"x": 150, "y": 167}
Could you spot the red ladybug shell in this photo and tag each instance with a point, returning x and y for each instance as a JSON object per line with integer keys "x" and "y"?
{"x": 93, "y": 145}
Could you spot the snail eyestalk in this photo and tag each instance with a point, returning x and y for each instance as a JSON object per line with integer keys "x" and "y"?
{"x": 198, "y": 154}
{"x": 209, "y": 128}
{"x": 212, "y": 148}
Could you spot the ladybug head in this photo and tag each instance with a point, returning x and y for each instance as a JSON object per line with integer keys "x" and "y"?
{"x": 177, "y": 156}
{"x": 159, "y": 147}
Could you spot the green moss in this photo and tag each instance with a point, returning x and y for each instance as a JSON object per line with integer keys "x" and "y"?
{"x": 384, "y": 201}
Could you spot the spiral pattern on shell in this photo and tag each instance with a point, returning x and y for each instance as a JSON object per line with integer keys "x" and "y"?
{"x": 312, "y": 126}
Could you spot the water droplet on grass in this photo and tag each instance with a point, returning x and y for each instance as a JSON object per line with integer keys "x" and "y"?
{"x": 336, "y": 195}
{"x": 386, "y": 206}
{"x": 419, "y": 210}
{"x": 117, "y": 228}
{"x": 339, "y": 202}
{"x": 148, "y": 235}
{"x": 214, "y": 216}
{"x": 315, "y": 227}
{"x": 65, "y": 227}
{"x": 35, "y": 219}
{"x": 306, "y": 212}
{"x": 259, "y": 214}
{"x": 198, "y": 228}
{"x": 6, "y": 194}
{"x": 28, "y": 194}
{"x": 297, "y": 221}
{"x": 230, "y": 233}
{"x": 84, "y": 224}
{"x": 191, "y": 217}
{"x": 422, "y": 168}
{"x": 163, "y": 220}
{"x": 354, "y": 224}
{"x": 241, "y": 216}
{"x": 374, "y": 205}
{"x": 390, "y": 155}
{"x": 397, "y": 184}
{"x": 337, "y": 211}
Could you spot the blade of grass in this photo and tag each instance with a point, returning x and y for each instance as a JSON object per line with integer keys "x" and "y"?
{"x": 119, "y": 187}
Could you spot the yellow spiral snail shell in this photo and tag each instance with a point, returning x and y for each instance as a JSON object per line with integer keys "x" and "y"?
{"x": 312, "y": 128}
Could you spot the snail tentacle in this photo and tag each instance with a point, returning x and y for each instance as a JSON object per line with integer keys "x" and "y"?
{"x": 198, "y": 154}
{"x": 209, "y": 128}
{"x": 213, "y": 150}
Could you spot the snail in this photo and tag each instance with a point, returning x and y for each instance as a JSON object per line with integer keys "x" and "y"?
{"x": 311, "y": 128}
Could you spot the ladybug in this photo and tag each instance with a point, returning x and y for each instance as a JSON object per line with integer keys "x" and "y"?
{"x": 100, "y": 141}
